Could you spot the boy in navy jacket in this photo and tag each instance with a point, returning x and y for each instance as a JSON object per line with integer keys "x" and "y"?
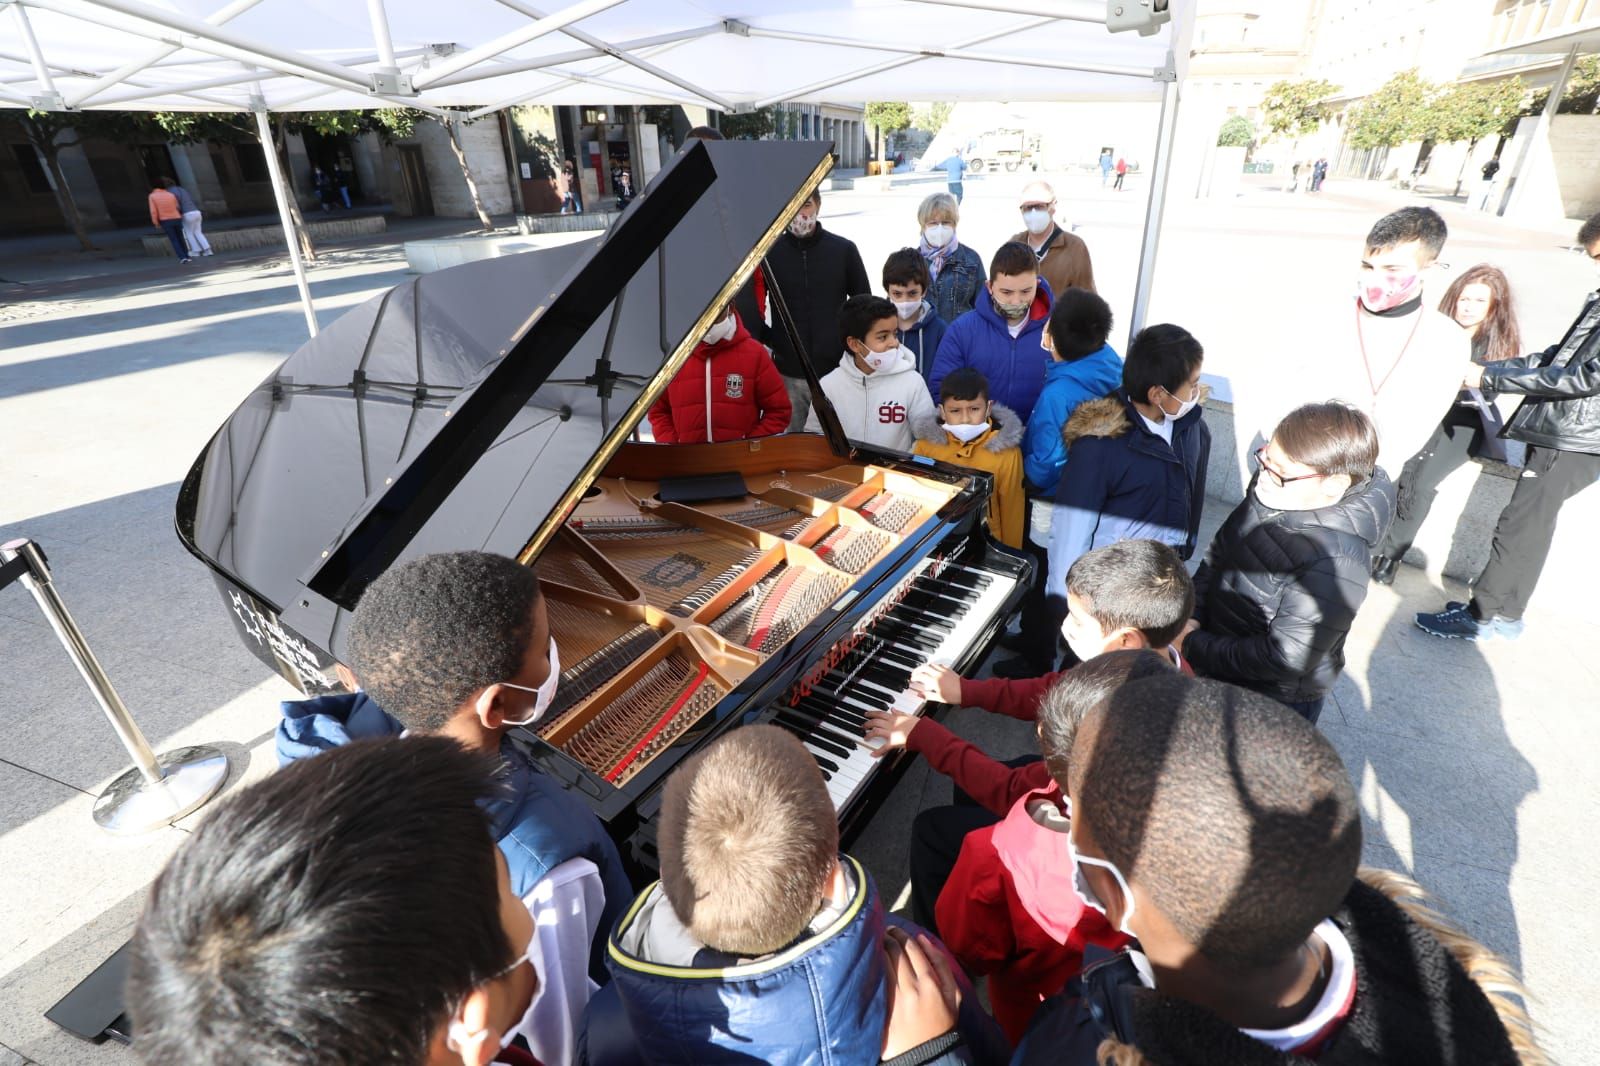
{"x": 1137, "y": 460}
{"x": 906, "y": 282}
{"x": 459, "y": 645}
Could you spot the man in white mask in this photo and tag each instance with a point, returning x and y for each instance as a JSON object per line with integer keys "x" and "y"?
{"x": 357, "y": 903}
{"x": 1063, "y": 257}
{"x": 460, "y": 645}
{"x": 875, "y": 390}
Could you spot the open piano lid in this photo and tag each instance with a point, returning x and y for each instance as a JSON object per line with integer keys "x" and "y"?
{"x": 471, "y": 408}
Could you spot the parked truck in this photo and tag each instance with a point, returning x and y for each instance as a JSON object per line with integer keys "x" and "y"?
{"x": 1011, "y": 149}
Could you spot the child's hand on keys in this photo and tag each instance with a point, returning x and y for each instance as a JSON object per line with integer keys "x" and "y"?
{"x": 932, "y": 681}
{"x": 891, "y": 728}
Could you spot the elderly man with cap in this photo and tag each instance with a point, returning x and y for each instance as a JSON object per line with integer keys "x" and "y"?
{"x": 1063, "y": 257}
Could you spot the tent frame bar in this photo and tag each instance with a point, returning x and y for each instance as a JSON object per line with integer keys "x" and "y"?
{"x": 154, "y": 56}
{"x": 623, "y": 52}
{"x": 515, "y": 39}
{"x": 222, "y": 82}
{"x": 41, "y": 69}
{"x": 1156, "y": 205}
{"x": 280, "y": 194}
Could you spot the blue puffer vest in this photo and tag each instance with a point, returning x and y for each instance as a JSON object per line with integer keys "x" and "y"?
{"x": 538, "y": 824}
{"x": 820, "y": 1002}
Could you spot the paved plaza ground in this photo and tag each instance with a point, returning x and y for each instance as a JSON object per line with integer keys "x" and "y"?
{"x": 1474, "y": 764}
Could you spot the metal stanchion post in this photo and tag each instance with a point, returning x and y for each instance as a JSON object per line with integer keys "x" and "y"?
{"x": 159, "y": 789}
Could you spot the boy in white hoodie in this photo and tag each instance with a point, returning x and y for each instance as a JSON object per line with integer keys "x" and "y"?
{"x": 876, "y": 389}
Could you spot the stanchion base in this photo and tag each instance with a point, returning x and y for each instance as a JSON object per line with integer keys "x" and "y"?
{"x": 131, "y": 805}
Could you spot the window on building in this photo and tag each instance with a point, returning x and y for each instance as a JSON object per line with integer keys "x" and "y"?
{"x": 32, "y": 171}
{"x": 252, "y": 163}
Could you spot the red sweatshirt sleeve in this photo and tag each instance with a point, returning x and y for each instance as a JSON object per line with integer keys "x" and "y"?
{"x": 772, "y": 395}
{"x": 661, "y": 421}
{"x": 1018, "y": 699}
{"x": 993, "y": 784}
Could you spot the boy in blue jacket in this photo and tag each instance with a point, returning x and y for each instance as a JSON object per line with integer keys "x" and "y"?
{"x": 762, "y": 943}
{"x": 459, "y": 645}
{"x": 1138, "y": 459}
{"x": 1000, "y": 337}
{"x": 906, "y": 282}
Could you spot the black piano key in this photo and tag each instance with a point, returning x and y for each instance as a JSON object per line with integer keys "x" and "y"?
{"x": 812, "y": 733}
{"x": 905, "y": 633}
{"x": 826, "y": 723}
{"x": 844, "y": 712}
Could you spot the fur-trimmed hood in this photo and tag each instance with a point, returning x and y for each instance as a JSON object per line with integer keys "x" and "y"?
{"x": 1106, "y": 417}
{"x": 1006, "y": 432}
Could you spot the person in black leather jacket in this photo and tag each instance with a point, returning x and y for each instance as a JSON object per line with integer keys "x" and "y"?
{"x": 1287, "y": 572}
{"x": 1560, "y": 420}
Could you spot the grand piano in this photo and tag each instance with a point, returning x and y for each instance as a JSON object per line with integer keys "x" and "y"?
{"x": 691, "y": 588}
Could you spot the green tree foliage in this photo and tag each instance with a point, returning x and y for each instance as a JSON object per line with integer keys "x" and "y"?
{"x": 886, "y": 117}
{"x": 1295, "y": 108}
{"x": 51, "y": 132}
{"x": 1237, "y": 132}
{"x": 1471, "y": 111}
{"x": 749, "y": 125}
{"x": 1583, "y": 91}
{"x": 933, "y": 117}
{"x": 1396, "y": 113}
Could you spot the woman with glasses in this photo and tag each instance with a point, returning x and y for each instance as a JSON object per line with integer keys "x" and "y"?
{"x": 1480, "y": 302}
{"x": 1285, "y": 575}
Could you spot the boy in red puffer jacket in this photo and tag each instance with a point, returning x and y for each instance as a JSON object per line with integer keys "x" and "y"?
{"x": 729, "y": 389}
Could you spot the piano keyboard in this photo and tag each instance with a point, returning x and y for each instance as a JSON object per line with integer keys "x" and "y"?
{"x": 937, "y": 620}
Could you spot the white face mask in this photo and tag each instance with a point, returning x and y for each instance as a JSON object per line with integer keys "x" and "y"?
{"x": 1184, "y": 406}
{"x": 544, "y": 693}
{"x": 889, "y": 357}
{"x": 1037, "y": 219}
{"x": 458, "y": 1036}
{"x": 908, "y": 309}
{"x": 939, "y": 234}
{"x": 1080, "y": 885}
{"x": 719, "y": 332}
{"x": 1083, "y": 651}
{"x": 802, "y": 226}
{"x": 964, "y": 433}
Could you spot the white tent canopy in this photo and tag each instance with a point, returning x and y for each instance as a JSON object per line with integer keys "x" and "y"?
{"x": 337, "y": 54}
{"x": 484, "y": 55}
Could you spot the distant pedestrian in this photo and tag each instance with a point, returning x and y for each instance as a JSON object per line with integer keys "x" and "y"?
{"x": 1122, "y": 172}
{"x": 1485, "y": 191}
{"x": 1319, "y": 173}
{"x": 193, "y": 238}
{"x": 322, "y": 181}
{"x": 1105, "y": 167}
{"x": 955, "y": 169}
{"x": 1294, "y": 175}
{"x": 571, "y": 195}
{"x": 341, "y": 181}
{"x": 165, "y": 216}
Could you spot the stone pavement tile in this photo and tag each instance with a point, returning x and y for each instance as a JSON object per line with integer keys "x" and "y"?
{"x": 26, "y": 992}
{"x": 12, "y": 1058}
{"x": 1424, "y": 799}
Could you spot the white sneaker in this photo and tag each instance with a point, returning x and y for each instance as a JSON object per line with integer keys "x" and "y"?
{"x": 206, "y": 252}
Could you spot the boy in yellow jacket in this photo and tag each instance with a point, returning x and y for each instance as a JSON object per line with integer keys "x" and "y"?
{"x": 971, "y": 431}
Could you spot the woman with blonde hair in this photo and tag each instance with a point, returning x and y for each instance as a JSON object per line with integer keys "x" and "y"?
{"x": 1480, "y": 302}
{"x": 957, "y": 270}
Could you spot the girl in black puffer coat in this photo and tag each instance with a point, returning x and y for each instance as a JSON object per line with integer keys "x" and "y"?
{"x": 1287, "y": 572}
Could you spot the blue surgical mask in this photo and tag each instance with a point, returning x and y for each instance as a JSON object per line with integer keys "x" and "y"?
{"x": 1080, "y": 885}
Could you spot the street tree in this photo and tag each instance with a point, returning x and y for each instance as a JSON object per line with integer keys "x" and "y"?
{"x": 1395, "y": 113}
{"x": 1295, "y": 108}
{"x": 886, "y": 117}
{"x": 1471, "y": 111}
{"x": 933, "y": 117}
{"x": 749, "y": 125}
{"x": 50, "y": 133}
{"x": 1583, "y": 91}
{"x": 1236, "y": 132}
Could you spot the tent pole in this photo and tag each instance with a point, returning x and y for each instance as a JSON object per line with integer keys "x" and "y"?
{"x": 280, "y": 193}
{"x": 380, "y": 36}
{"x": 128, "y": 70}
{"x": 41, "y": 69}
{"x": 1157, "y": 203}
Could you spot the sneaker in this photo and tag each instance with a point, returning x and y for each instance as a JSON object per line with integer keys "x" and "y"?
{"x": 185, "y": 259}
{"x": 206, "y": 252}
{"x": 1456, "y": 622}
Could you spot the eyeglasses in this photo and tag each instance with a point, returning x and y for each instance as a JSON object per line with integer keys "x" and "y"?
{"x": 1260, "y": 457}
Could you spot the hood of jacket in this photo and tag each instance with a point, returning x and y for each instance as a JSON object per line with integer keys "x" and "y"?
{"x": 822, "y": 999}
{"x": 904, "y": 362}
{"x": 1112, "y": 416}
{"x": 1031, "y": 843}
{"x": 325, "y": 722}
{"x": 1005, "y": 431}
{"x": 1425, "y": 992}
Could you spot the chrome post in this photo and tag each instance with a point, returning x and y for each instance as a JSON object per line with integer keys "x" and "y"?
{"x": 160, "y": 789}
